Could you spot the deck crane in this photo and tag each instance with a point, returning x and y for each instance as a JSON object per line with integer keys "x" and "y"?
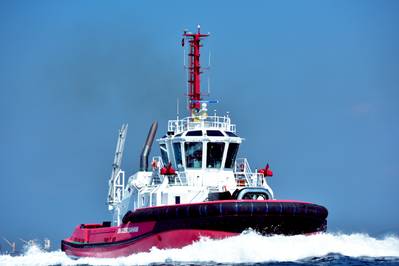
{"x": 117, "y": 179}
{"x": 12, "y": 245}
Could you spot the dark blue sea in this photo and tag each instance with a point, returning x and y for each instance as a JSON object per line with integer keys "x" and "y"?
{"x": 248, "y": 248}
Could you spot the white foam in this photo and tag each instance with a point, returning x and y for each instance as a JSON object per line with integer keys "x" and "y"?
{"x": 248, "y": 247}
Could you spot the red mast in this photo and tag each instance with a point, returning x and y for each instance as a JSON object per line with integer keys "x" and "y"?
{"x": 194, "y": 94}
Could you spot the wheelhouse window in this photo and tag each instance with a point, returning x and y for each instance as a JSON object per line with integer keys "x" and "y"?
{"x": 177, "y": 152}
{"x": 214, "y": 133}
{"x": 193, "y": 154}
{"x": 164, "y": 153}
{"x": 231, "y": 155}
{"x": 231, "y": 134}
{"x": 194, "y": 133}
{"x": 214, "y": 154}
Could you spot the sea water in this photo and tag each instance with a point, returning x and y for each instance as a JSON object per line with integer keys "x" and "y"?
{"x": 248, "y": 248}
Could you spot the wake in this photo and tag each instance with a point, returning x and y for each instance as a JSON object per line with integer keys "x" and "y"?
{"x": 248, "y": 247}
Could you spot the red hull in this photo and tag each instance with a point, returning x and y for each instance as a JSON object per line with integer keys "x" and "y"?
{"x": 165, "y": 240}
{"x": 175, "y": 226}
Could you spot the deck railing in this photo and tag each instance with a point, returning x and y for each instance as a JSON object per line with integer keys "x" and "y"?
{"x": 243, "y": 172}
{"x": 191, "y": 123}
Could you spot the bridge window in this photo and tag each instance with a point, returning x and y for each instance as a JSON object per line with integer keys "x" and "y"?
{"x": 214, "y": 133}
{"x": 231, "y": 155}
{"x": 177, "y": 151}
{"x": 193, "y": 154}
{"x": 214, "y": 154}
{"x": 164, "y": 153}
{"x": 194, "y": 133}
{"x": 230, "y": 134}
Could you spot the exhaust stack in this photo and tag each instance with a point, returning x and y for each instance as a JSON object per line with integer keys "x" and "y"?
{"x": 147, "y": 146}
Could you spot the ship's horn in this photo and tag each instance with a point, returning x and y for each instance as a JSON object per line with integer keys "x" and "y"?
{"x": 147, "y": 146}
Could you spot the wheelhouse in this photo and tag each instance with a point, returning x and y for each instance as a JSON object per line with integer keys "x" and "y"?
{"x": 212, "y": 149}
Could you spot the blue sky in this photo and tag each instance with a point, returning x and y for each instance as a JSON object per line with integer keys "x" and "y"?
{"x": 312, "y": 85}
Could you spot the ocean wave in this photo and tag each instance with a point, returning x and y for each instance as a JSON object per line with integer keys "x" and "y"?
{"x": 248, "y": 247}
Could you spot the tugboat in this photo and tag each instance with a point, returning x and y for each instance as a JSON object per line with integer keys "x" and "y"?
{"x": 196, "y": 188}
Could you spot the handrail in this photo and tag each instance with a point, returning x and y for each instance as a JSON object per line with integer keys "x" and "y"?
{"x": 157, "y": 165}
{"x": 242, "y": 168}
{"x": 190, "y": 123}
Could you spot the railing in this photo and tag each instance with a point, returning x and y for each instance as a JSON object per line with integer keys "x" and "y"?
{"x": 156, "y": 165}
{"x": 245, "y": 176}
{"x": 190, "y": 123}
{"x": 157, "y": 178}
{"x": 182, "y": 178}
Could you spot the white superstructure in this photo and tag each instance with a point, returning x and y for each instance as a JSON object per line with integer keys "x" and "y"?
{"x": 198, "y": 161}
{"x": 198, "y": 157}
